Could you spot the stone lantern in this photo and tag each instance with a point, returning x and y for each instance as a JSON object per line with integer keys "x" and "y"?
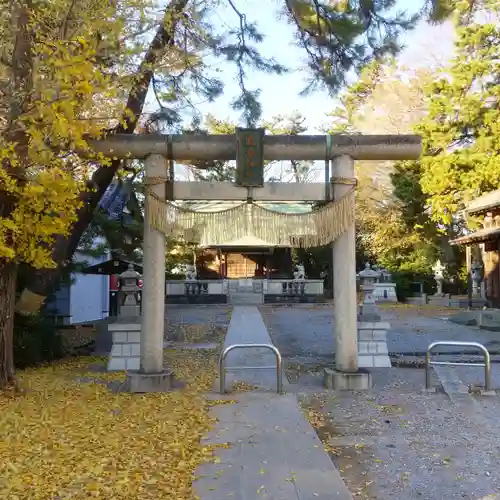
{"x": 372, "y": 332}
{"x": 130, "y": 282}
{"x": 369, "y": 277}
{"x": 439, "y": 269}
{"x": 476, "y": 272}
{"x": 386, "y": 275}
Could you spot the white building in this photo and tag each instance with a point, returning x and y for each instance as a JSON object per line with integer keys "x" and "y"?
{"x": 85, "y": 299}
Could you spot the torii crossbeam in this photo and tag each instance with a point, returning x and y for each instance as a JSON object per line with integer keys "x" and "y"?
{"x": 276, "y": 147}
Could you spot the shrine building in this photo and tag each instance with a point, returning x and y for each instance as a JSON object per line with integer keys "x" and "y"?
{"x": 484, "y": 244}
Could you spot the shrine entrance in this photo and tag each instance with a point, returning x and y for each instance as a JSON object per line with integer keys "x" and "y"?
{"x": 333, "y": 223}
{"x": 241, "y": 265}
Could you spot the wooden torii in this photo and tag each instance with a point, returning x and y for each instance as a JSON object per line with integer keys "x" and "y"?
{"x": 250, "y": 147}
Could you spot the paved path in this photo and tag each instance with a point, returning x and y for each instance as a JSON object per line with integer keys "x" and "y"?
{"x": 247, "y": 327}
{"x": 274, "y": 452}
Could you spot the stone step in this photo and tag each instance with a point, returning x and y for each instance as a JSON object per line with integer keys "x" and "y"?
{"x": 248, "y": 294}
{"x": 245, "y": 298}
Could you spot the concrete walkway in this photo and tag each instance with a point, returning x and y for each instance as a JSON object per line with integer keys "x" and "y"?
{"x": 247, "y": 327}
{"x": 274, "y": 453}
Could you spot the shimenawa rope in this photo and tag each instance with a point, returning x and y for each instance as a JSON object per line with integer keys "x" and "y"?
{"x": 305, "y": 230}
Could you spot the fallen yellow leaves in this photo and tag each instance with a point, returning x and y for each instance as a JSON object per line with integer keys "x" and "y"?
{"x": 313, "y": 408}
{"x": 241, "y": 386}
{"x": 69, "y": 437}
{"x": 316, "y": 418}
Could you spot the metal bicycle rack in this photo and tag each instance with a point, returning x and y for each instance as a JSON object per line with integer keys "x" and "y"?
{"x": 223, "y": 369}
{"x": 486, "y": 363}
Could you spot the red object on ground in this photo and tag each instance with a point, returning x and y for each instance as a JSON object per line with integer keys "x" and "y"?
{"x": 139, "y": 283}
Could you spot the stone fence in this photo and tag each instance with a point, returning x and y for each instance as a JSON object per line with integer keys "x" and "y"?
{"x": 220, "y": 291}
{"x": 282, "y": 290}
{"x": 196, "y": 291}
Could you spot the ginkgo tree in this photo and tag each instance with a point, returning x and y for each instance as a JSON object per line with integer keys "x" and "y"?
{"x": 57, "y": 71}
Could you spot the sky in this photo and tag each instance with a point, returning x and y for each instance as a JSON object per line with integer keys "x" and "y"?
{"x": 280, "y": 95}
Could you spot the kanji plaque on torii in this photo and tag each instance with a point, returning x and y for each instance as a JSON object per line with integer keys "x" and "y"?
{"x": 250, "y": 157}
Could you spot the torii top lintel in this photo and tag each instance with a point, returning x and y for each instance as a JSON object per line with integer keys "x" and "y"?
{"x": 276, "y": 147}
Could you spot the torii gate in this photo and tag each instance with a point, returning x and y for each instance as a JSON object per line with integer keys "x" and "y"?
{"x": 339, "y": 153}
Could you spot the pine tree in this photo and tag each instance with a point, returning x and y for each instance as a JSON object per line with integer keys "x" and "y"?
{"x": 214, "y": 170}
{"x": 295, "y": 171}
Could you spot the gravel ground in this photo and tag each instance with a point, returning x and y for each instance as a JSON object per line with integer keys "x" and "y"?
{"x": 193, "y": 324}
{"x": 196, "y": 324}
{"x": 305, "y": 337}
{"x": 397, "y": 443}
{"x": 214, "y": 314}
{"x": 309, "y": 331}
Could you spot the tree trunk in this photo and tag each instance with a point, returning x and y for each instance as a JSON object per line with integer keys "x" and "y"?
{"x": 20, "y": 86}
{"x": 44, "y": 281}
{"x": 8, "y": 275}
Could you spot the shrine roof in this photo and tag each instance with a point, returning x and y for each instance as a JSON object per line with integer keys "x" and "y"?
{"x": 485, "y": 202}
{"x": 247, "y": 241}
{"x": 490, "y": 233}
{"x": 217, "y": 206}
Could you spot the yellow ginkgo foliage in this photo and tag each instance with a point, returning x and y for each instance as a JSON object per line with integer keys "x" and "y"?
{"x": 66, "y": 68}
{"x": 63, "y": 74}
{"x": 69, "y": 436}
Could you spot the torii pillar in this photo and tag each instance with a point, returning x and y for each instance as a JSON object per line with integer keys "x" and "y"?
{"x": 346, "y": 375}
{"x": 152, "y": 376}
{"x": 344, "y": 278}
